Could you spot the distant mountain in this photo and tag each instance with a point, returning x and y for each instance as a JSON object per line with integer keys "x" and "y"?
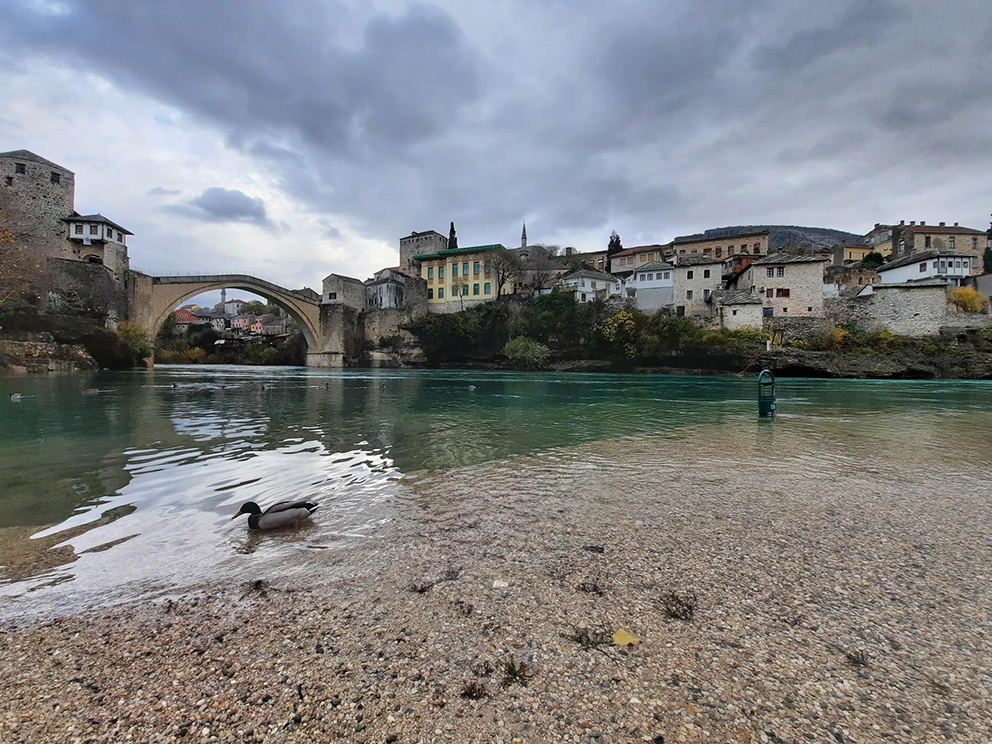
{"x": 806, "y": 239}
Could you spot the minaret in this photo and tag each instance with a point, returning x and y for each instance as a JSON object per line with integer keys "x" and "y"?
{"x": 523, "y": 236}
{"x": 452, "y": 238}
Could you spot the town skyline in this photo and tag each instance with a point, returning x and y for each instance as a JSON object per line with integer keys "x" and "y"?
{"x": 829, "y": 126}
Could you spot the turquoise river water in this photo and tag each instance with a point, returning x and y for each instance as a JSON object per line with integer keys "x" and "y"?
{"x": 128, "y": 491}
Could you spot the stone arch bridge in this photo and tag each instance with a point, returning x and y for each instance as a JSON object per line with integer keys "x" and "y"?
{"x": 324, "y": 327}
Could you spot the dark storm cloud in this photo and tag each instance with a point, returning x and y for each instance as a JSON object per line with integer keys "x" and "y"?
{"x": 224, "y": 205}
{"x": 653, "y": 118}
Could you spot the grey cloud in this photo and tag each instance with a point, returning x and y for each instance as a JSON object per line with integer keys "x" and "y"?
{"x": 217, "y": 204}
{"x": 653, "y": 118}
{"x": 160, "y": 191}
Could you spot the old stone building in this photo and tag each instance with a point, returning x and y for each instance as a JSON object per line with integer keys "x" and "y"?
{"x": 737, "y": 308}
{"x": 419, "y": 243}
{"x": 745, "y": 242}
{"x": 791, "y": 284}
{"x": 79, "y": 260}
{"x": 695, "y": 278}
{"x": 920, "y": 237}
{"x": 627, "y": 261}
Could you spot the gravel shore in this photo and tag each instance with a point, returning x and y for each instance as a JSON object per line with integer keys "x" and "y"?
{"x": 834, "y": 604}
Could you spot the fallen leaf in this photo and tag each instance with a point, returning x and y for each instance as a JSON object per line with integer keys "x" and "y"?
{"x": 623, "y": 638}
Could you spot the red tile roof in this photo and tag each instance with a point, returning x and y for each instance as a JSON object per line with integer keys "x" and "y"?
{"x": 940, "y": 229}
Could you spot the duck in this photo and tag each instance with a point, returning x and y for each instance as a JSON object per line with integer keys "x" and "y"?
{"x": 15, "y": 397}
{"x": 282, "y": 514}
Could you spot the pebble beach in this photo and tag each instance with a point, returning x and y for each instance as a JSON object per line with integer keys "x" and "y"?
{"x": 832, "y": 603}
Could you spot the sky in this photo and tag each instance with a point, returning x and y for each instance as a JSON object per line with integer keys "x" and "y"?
{"x": 294, "y": 139}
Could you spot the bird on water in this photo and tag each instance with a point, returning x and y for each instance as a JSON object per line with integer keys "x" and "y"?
{"x": 283, "y": 514}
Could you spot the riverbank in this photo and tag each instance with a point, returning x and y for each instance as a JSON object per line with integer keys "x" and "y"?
{"x": 842, "y": 592}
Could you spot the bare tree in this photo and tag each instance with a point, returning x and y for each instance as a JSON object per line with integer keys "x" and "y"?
{"x": 505, "y": 267}
{"x": 542, "y": 264}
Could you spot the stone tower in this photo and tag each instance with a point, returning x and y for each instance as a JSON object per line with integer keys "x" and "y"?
{"x": 36, "y": 195}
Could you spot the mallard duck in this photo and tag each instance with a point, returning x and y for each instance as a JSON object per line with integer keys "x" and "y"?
{"x": 283, "y": 514}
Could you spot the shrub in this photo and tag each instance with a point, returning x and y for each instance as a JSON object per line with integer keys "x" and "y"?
{"x": 525, "y": 353}
{"x": 967, "y": 299}
{"x": 620, "y": 333}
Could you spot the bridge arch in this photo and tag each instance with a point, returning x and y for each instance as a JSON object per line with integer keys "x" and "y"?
{"x": 170, "y": 291}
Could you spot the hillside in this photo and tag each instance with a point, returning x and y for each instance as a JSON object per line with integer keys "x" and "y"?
{"x": 808, "y": 239}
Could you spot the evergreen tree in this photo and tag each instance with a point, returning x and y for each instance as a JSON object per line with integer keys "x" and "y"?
{"x": 615, "y": 245}
{"x": 987, "y": 258}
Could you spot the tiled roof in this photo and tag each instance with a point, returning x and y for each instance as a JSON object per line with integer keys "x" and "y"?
{"x": 954, "y": 229}
{"x": 654, "y": 266}
{"x": 913, "y": 258}
{"x": 788, "y": 258}
{"x": 638, "y": 249}
{"x": 76, "y": 217}
{"x": 590, "y": 274}
{"x": 735, "y": 297}
{"x": 693, "y": 260}
{"x": 31, "y": 157}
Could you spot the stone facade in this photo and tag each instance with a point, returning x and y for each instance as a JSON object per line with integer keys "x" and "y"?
{"x": 344, "y": 290}
{"x": 906, "y": 309}
{"x": 851, "y": 276}
{"x": 790, "y": 284}
{"x": 33, "y": 204}
{"x": 736, "y": 309}
{"x": 416, "y": 244}
{"x": 86, "y": 287}
{"x": 919, "y": 238}
{"x": 750, "y": 243}
{"x": 695, "y": 279}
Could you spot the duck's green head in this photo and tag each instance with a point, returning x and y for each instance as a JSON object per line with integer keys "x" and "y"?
{"x": 249, "y": 507}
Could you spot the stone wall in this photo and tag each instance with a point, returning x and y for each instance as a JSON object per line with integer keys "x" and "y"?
{"x": 385, "y": 322}
{"x": 85, "y": 287}
{"x": 45, "y": 356}
{"x": 344, "y": 290}
{"x": 907, "y": 311}
{"x": 341, "y": 335}
{"x": 33, "y": 207}
{"x": 794, "y": 328}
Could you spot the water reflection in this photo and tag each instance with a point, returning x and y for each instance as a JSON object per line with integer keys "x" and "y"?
{"x": 131, "y": 489}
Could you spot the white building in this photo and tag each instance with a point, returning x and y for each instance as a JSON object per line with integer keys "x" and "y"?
{"x": 588, "y": 285}
{"x": 651, "y": 285}
{"x": 949, "y": 266}
{"x": 99, "y": 240}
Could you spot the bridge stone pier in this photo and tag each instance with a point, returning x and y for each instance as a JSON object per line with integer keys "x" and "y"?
{"x": 330, "y": 336}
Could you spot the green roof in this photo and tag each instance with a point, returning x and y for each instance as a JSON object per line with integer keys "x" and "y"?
{"x": 458, "y": 251}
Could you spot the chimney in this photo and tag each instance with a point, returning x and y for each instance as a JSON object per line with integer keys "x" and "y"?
{"x": 955, "y": 224}
{"x": 941, "y": 224}
{"x": 922, "y": 222}
{"x": 877, "y": 225}
{"x": 912, "y": 222}
{"x": 902, "y": 222}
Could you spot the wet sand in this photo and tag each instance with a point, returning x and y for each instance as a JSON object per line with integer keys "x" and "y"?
{"x": 841, "y": 598}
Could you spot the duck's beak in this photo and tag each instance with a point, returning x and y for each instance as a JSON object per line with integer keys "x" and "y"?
{"x": 238, "y": 514}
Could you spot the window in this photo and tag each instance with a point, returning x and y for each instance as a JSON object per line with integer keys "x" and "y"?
{"x": 475, "y": 268}
{"x": 780, "y": 271}
{"x": 120, "y": 237}
{"x": 454, "y": 269}
{"x": 964, "y": 264}
{"x": 923, "y": 267}
{"x": 957, "y": 263}
{"x": 757, "y": 248}
{"x": 642, "y": 258}
{"x": 902, "y": 245}
{"x": 464, "y": 290}
{"x": 950, "y": 241}
{"x": 440, "y": 275}
{"x": 440, "y": 293}
{"x": 94, "y": 229}
{"x": 769, "y": 292}
{"x": 56, "y": 177}
{"x": 487, "y": 267}
{"x": 465, "y": 269}
{"x": 769, "y": 272}
{"x": 809, "y": 309}
{"x": 733, "y": 312}
{"x": 974, "y": 244}
{"x": 9, "y": 180}
{"x": 332, "y": 295}
{"x": 667, "y": 274}
{"x": 583, "y": 296}
{"x": 688, "y": 294}
{"x": 486, "y": 289}
{"x": 719, "y": 253}
{"x": 643, "y": 277}
{"x": 785, "y": 309}
{"x": 20, "y": 168}
{"x": 430, "y": 272}
{"x": 782, "y": 292}
{"x": 79, "y": 229}
{"x": 430, "y": 293}
{"x": 475, "y": 288}
{"x": 688, "y": 275}
{"x": 706, "y": 273}
{"x": 706, "y": 294}
{"x": 650, "y": 277}
{"x": 926, "y": 241}
{"x": 935, "y": 264}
